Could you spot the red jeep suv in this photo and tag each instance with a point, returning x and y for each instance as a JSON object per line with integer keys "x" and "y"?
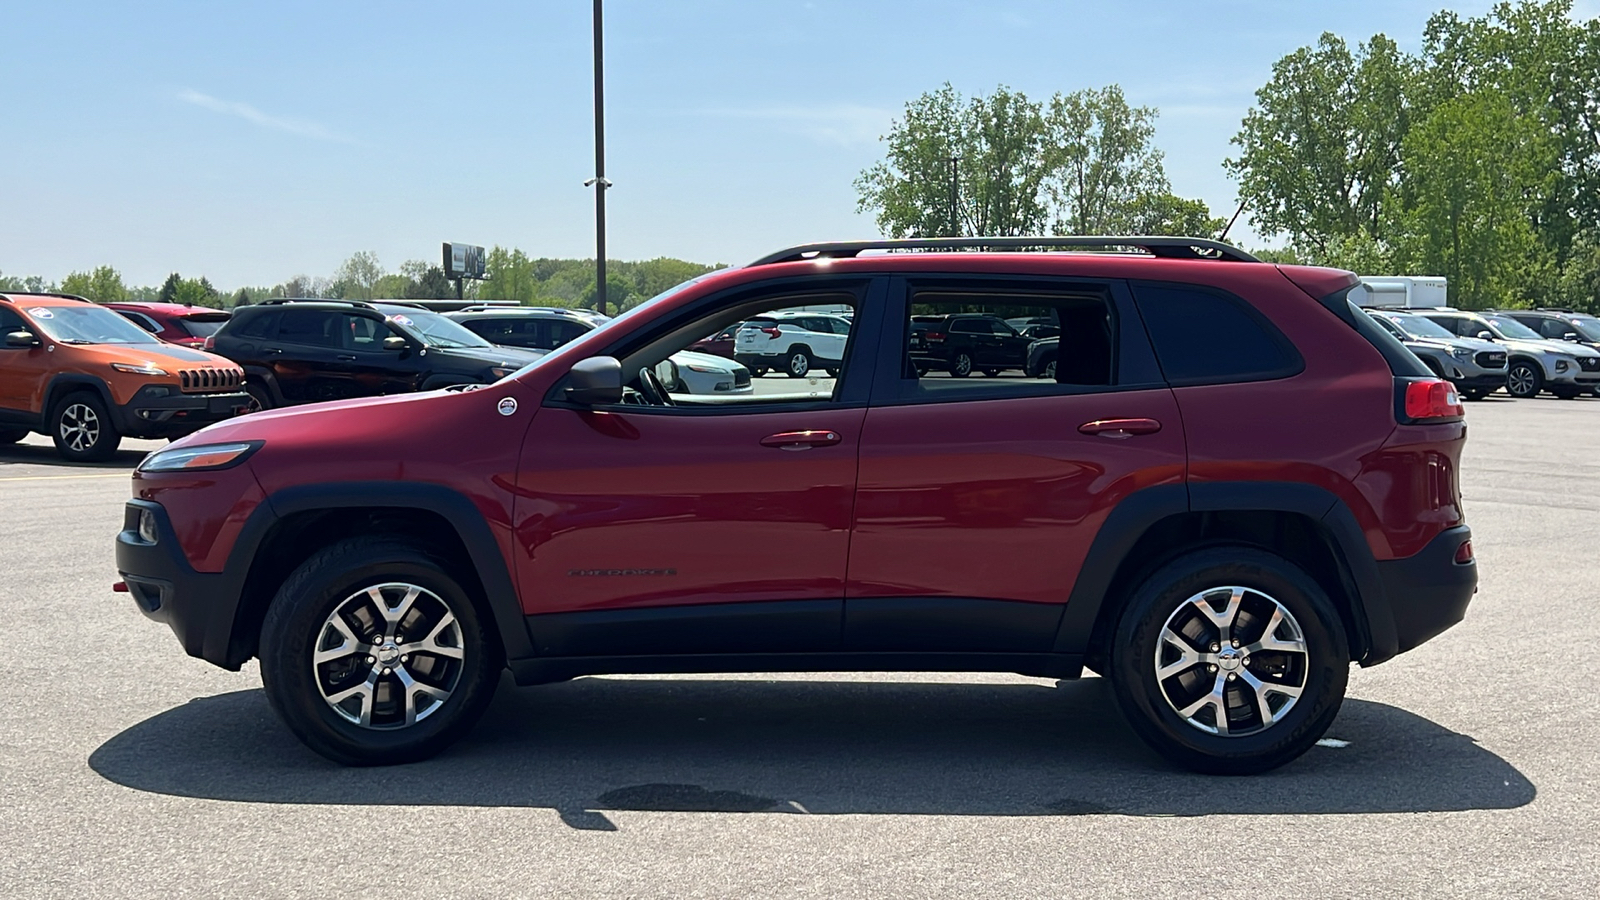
{"x": 1234, "y": 486}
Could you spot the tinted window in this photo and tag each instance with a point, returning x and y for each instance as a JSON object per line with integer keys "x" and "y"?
{"x": 969, "y": 326}
{"x": 310, "y": 327}
{"x": 363, "y": 332}
{"x": 10, "y": 321}
{"x": 562, "y": 332}
{"x": 202, "y": 327}
{"x": 141, "y": 320}
{"x": 1450, "y": 323}
{"x": 1203, "y": 336}
{"x": 937, "y": 367}
{"x": 261, "y": 325}
{"x": 1552, "y": 328}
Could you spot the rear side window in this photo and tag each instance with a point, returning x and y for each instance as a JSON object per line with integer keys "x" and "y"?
{"x": 262, "y": 325}
{"x": 308, "y": 327}
{"x": 202, "y": 326}
{"x": 1204, "y": 336}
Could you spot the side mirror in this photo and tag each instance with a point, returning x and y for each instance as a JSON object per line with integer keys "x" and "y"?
{"x": 1570, "y": 336}
{"x": 21, "y": 339}
{"x": 667, "y": 371}
{"x": 596, "y": 381}
{"x": 396, "y": 342}
{"x": 1485, "y": 335}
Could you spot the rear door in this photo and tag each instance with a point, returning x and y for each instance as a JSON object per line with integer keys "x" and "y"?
{"x": 978, "y": 498}
{"x": 302, "y": 356}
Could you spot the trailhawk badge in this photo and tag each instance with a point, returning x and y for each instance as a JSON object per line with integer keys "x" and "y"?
{"x": 508, "y": 406}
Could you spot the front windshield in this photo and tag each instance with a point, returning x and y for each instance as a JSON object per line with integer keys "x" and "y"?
{"x": 1513, "y": 329}
{"x": 1589, "y": 329}
{"x": 88, "y": 325}
{"x": 1417, "y": 326}
{"x": 436, "y": 330}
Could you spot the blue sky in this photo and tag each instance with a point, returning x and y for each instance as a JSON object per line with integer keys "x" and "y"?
{"x": 250, "y": 142}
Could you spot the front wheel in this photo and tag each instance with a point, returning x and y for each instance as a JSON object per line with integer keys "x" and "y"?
{"x": 1230, "y": 660}
{"x": 82, "y": 429}
{"x": 1524, "y": 380}
{"x": 260, "y": 397}
{"x": 373, "y": 653}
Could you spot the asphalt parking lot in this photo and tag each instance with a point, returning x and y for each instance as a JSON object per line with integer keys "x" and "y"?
{"x": 1467, "y": 767}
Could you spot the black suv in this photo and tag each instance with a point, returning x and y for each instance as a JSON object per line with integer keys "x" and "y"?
{"x": 542, "y": 328}
{"x": 961, "y": 342}
{"x": 307, "y": 351}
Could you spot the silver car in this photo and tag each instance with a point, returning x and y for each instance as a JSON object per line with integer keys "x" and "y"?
{"x": 1476, "y": 367}
{"x": 1535, "y": 364}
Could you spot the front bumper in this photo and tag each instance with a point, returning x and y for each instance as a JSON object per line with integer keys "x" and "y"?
{"x": 199, "y": 607}
{"x": 166, "y": 416}
{"x": 1480, "y": 382}
{"x": 1429, "y": 592}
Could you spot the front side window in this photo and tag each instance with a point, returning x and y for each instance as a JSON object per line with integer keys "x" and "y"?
{"x": 1512, "y": 329}
{"x": 437, "y": 331}
{"x": 363, "y": 333}
{"x": 88, "y": 325}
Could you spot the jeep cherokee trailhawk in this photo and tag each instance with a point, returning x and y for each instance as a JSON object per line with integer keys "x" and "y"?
{"x": 1234, "y": 485}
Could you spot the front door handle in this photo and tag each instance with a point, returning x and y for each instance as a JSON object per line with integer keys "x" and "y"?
{"x": 800, "y": 440}
{"x": 345, "y": 357}
{"x": 1120, "y": 429}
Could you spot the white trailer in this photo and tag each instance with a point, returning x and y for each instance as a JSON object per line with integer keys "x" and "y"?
{"x": 1405, "y": 290}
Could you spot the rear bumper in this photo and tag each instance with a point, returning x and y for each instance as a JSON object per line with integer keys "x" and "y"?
{"x": 149, "y": 416}
{"x": 199, "y": 607}
{"x": 1428, "y": 592}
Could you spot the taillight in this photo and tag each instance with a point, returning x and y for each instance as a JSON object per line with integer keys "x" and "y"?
{"x": 1431, "y": 398}
{"x": 772, "y": 332}
{"x": 210, "y": 344}
{"x": 933, "y": 337}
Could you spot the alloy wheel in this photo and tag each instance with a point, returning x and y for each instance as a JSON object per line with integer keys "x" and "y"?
{"x": 1522, "y": 381}
{"x": 388, "y": 656}
{"x": 962, "y": 366}
{"x": 1050, "y": 370}
{"x": 799, "y": 365}
{"x": 1231, "y": 661}
{"x": 80, "y": 427}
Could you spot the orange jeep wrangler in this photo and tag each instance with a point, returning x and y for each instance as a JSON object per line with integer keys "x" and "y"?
{"x": 87, "y": 377}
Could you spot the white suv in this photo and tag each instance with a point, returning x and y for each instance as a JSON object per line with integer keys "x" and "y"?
{"x": 792, "y": 341}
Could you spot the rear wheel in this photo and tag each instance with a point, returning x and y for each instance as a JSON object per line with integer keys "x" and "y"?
{"x": 12, "y": 435}
{"x": 798, "y": 365}
{"x": 1524, "y": 380}
{"x": 1230, "y": 660}
{"x": 961, "y": 365}
{"x": 82, "y": 429}
{"x": 372, "y": 653}
{"x": 1475, "y": 394}
{"x": 832, "y": 373}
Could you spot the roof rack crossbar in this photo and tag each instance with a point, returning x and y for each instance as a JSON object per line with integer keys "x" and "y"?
{"x": 280, "y": 301}
{"x": 1162, "y": 246}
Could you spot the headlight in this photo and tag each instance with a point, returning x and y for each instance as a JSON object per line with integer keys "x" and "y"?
{"x": 145, "y": 369}
{"x": 705, "y": 370}
{"x": 199, "y": 458}
{"x": 1460, "y": 352}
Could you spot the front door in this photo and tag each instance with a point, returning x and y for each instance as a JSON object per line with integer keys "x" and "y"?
{"x": 22, "y": 373}
{"x": 978, "y": 497}
{"x": 693, "y": 523}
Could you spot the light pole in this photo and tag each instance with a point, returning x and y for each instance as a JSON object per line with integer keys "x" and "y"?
{"x": 599, "y": 182}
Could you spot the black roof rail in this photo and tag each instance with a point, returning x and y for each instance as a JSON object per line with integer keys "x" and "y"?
{"x": 1166, "y": 247}
{"x": 1554, "y": 309}
{"x": 7, "y": 295}
{"x": 280, "y": 301}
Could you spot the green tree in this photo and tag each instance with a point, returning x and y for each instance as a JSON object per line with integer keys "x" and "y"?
{"x": 1319, "y": 153}
{"x": 169, "y": 288}
{"x": 430, "y": 284}
{"x": 103, "y": 285}
{"x": 196, "y": 292}
{"x": 987, "y": 154}
{"x": 1167, "y": 213}
{"x": 1104, "y": 174}
{"x": 1468, "y": 165}
{"x": 652, "y": 276}
{"x": 511, "y": 276}
{"x": 619, "y": 293}
{"x": 242, "y": 298}
{"x": 357, "y": 277}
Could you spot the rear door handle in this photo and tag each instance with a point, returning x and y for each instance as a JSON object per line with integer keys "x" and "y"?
{"x": 345, "y": 357}
{"x": 270, "y": 350}
{"x": 1120, "y": 428}
{"x": 800, "y": 440}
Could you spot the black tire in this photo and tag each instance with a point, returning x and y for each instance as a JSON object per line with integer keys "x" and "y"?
{"x": 82, "y": 428}
{"x": 832, "y": 373}
{"x": 297, "y": 621}
{"x": 12, "y": 435}
{"x": 961, "y": 365}
{"x": 1566, "y": 393}
{"x": 798, "y": 364}
{"x": 759, "y": 371}
{"x": 1475, "y": 394}
{"x": 260, "y": 397}
{"x": 922, "y": 372}
{"x": 1324, "y": 665}
{"x": 1049, "y": 370}
{"x": 1523, "y": 379}
{"x": 992, "y": 373}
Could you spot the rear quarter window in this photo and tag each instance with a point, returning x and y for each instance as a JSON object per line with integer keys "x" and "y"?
{"x": 1205, "y": 336}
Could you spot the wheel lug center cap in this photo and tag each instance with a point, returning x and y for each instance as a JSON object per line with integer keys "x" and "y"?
{"x": 387, "y": 653}
{"x": 1229, "y": 659}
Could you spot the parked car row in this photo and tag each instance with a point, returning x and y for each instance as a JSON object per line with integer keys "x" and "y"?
{"x": 1481, "y": 352}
